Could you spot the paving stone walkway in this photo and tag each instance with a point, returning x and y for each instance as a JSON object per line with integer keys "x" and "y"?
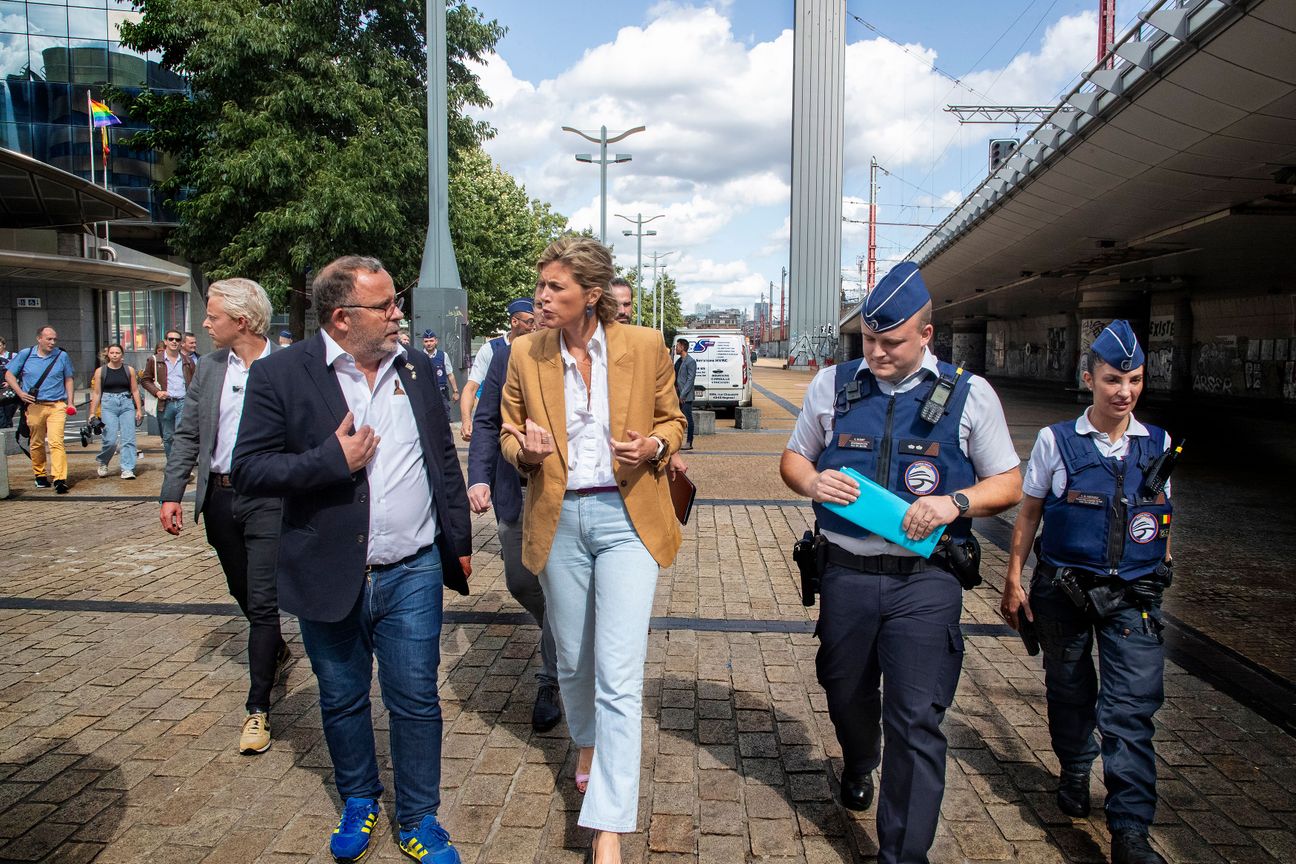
{"x": 122, "y": 678}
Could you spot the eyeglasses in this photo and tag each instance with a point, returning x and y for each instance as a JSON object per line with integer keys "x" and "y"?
{"x": 397, "y": 303}
{"x": 173, "y": 338}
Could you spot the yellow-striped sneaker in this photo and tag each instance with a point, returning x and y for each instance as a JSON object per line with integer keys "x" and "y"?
{"x": 255, "y": 737}
{"x": 429, "y": 843}
{"x": 350, "y": 839}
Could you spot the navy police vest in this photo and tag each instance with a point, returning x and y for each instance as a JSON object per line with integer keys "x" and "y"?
{"x": 883, "y": 438}
{"x": 1101, "y": 523}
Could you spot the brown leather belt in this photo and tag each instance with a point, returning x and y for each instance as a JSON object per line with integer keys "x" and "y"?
{"x": 221, "y": 480}
{"x": 592, "y": 490}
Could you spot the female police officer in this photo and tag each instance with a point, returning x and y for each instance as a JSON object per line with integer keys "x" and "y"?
{"x": 935, "y": 436}
{"x": 1103, "y": 561}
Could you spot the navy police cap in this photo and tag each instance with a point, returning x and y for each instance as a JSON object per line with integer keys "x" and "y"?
{"x": 522, "y": 304}
{"x": 429, "y": 334}
{"x": 285, "y": 334}
{"x": 1117, "y": 346}
{"x": 895, "y": 299}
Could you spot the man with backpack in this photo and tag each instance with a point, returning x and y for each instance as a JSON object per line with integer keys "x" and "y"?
{"x": 42, "y": 377}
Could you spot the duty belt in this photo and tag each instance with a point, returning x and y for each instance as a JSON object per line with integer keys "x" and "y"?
{"x": 891, "y": 565}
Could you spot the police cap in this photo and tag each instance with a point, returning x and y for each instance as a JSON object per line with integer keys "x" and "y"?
{"x": 895, "y": 299}
{"x": 1117, "y": 346}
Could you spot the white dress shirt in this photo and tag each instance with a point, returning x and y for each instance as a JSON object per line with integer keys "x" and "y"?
{"x": 402, "y": 519}
{"x": 1046, "y": 471}
{"x": 589, "y": 425}
{"x": 233, "y": 390}
{"x": 983, "y": 436}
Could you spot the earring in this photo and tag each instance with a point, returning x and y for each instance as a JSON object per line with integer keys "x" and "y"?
{"x": 589, "y": 311}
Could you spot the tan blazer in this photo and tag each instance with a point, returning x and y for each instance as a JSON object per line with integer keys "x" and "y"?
{"x": 641, "y": 396}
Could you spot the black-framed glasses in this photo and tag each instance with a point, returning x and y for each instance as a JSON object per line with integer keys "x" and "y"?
{"x": 173, "y": 338}
{"x": 397, "y": 303}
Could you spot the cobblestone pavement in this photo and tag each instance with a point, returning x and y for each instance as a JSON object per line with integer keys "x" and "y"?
{"x": 122, "y": 678}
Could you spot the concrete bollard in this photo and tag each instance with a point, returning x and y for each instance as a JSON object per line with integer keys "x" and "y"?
{"x": 703, "y": 422}
{"x": 747, "y": 418}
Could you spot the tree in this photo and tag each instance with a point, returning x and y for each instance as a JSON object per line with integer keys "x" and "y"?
{"x": 498, "y": 235}
{"x": 672, "y": 313}
{"x": 305, "y": 137}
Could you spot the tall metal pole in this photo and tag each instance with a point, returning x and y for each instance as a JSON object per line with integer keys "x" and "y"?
{"x": 659, "y": 299}
{"x": 603, "y": 140}
{"x": 640, "y": 233}
{"x": 782, "y": 320}
{"x": 872, "y": 226}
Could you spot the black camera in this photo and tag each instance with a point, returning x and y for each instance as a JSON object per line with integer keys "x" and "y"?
{"x": 94, "y": 426}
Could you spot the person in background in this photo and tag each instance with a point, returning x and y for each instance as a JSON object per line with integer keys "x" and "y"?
{"x": 624, "y": 296}
{"x": 45, "y": 369}
{"x": 598, "y": 520}
{"x": 285, "y": 338}
{"x": 446, "y": 383}
{"x": 189, "y": 346}
{"x": 167, "y": 376}
{"x": 115, "y": 397}
{"x": 685, "y": 373}
{"x": 1105, "y": 535}
{"x": 7, "y": 408}
{"x": 522, "y": 320}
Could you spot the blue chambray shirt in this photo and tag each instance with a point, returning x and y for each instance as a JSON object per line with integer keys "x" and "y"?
{"x": 32, "y": 366}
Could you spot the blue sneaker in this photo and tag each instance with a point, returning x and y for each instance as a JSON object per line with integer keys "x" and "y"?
{"x": 350, "y": 839}
{"x": 429, "y": 843}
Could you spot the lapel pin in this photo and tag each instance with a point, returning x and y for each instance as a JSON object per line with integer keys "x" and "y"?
{"x": 413, "y": 373}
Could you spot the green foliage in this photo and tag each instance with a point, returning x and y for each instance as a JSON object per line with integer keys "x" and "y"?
{"x": 305, "y": 137}
{"x": 672, "y": 315}
{"x": 498, "y": 235}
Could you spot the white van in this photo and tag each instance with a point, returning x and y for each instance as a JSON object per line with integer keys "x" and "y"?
{"x": 723, "y": 368}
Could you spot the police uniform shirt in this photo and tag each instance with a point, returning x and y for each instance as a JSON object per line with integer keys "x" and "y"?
{"x": 1046, "y": 472}
{"x": 983, "y": 436}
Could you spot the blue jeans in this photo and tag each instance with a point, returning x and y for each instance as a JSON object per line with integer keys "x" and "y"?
{"x": 397, "y": 619}
{"x": 169, "y": 418}
{"x": 598, "y": 587}
{"x": 118, "y": 411}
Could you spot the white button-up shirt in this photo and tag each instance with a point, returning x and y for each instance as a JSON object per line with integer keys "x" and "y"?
{"x": 402, "y": 519}
{"x": 589, "y": 425}
{"x": 233, "y": 390}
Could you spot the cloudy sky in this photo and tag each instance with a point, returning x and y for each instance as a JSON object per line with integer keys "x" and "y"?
{"x": 712, "y": 82}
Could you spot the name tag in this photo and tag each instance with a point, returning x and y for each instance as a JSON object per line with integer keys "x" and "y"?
{"x": 846, "y": 441}
{"x": 914, "y": 447}
{"x": 1085, "y": 499}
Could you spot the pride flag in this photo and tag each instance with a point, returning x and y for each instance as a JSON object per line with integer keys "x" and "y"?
{"x": 100, "y": 115}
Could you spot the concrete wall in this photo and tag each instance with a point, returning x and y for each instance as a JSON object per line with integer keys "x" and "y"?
{"x": 68, "y": 309}
{"x": 1244, "y": 346}
{"x": 1042, "y": 348}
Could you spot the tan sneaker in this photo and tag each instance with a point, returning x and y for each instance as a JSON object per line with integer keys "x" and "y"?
{"x": 256, "y": 733}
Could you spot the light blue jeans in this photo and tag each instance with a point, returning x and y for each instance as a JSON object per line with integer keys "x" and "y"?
{"x": 118, "y": 412}
{"x": 598, "y": 585}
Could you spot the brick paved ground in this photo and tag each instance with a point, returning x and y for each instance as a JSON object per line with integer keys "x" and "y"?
{"x": 117, "y": 728}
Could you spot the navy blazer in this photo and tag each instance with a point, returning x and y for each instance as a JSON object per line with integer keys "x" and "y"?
{"x": 485, "y": 463}
{"x": 288, "y": 448}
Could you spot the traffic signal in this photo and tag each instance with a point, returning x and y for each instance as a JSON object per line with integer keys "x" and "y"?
{"x": 1000, "y": 150}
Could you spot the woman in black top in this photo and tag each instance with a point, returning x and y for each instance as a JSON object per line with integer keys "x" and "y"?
{"x": 114, "y": 393}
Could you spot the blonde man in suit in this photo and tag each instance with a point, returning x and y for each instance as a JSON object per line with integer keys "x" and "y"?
{"x": 591, "y": 418}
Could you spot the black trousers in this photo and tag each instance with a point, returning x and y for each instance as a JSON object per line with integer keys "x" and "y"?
{"x": 687, "y": 408}
{"x": 244, "y": 531}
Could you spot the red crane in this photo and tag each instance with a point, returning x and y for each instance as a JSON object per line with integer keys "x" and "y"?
{"x": 1106, "y": 28}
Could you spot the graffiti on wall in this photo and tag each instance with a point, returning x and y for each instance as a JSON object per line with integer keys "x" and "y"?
{"x": 1056, "y": 349}
{"x": 1160, "y": 353}
{"x": 998, "y": 349}
{"x": 1213, "y": 369}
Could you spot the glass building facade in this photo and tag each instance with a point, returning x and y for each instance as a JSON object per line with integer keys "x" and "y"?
{"x": 51, "y": 56}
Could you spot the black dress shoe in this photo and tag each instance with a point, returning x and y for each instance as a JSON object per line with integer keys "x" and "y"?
{"x": 43, "y": 483}
{"x": 61, "y": 487}
{"x": 1130, "y": 846}
{"x": 546, "y": 712}
{"x": 1073, "y": 794}
{"x": 856, "y": 792}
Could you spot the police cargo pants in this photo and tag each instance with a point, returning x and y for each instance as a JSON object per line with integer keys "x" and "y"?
{"x": 904, "y": 630}
{"x": 1120, "y": 700}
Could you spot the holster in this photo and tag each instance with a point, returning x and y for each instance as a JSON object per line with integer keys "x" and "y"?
{"x": 962, "y": 558}
{"x": 810, "y": 554}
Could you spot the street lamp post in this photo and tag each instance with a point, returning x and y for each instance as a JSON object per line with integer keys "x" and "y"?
{"x": 659, "y": 318}
{"x": 603, "y": 161}
{"x": 639, "y": 222}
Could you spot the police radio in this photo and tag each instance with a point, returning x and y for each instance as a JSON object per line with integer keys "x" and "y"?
{"x": 933, "y": 407}
{"x": 1159, "y": 474}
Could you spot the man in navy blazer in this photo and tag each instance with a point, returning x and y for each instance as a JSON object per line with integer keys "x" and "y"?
{"x": 492, "y": 480}
{"x": 350, "y": 431}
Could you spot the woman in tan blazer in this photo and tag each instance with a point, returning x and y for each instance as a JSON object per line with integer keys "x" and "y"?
{"x": 590, "y": 418}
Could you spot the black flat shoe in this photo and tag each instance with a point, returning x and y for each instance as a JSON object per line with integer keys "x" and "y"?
{"x": 1131, "y": 846}
{"x": 856, "y": 792}
{"x": 546, "y": 712}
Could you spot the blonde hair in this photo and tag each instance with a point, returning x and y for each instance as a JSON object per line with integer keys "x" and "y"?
{"x": 590, "y": 263}
{"x": 244, "y": 299}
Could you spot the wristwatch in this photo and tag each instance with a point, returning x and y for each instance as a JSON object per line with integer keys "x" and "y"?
{"x": 961, "y": 502}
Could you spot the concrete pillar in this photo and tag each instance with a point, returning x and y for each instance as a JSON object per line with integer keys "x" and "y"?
{"x": 818, "y": 123}
{"x": 1097, "y": 308}
{"x": 969, "y": 348}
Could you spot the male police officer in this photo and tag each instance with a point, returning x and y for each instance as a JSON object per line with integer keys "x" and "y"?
{"x": 1104, "y": 560}
{"x": 887, "y": 612}
{"x": 446, "y": 384}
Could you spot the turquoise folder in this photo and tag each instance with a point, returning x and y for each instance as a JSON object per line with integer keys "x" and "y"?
{"x": 880, "y": 511}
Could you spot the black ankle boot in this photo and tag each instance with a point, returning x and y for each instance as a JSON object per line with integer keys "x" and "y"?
{"x": 1073, "y": 794}
{"x": 1130, "y": 846}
